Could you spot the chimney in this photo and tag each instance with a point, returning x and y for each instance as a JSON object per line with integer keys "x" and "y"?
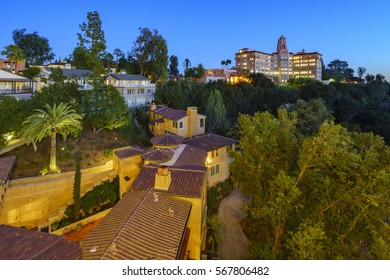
{"x": 151, "y": 109}
{"x": 192, "y": 113}
{"x": 162, "y": 178}
{"x": 153, "y": 106}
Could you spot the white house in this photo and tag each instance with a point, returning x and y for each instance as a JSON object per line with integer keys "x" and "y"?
{"x": 136, "y": 89}
{"x": 81, "y": 76}
{"x": 15, "y": 85}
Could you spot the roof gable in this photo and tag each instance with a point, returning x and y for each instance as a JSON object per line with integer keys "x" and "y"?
{"x": 171, "y": 114}
{"x": 152, "y": 229}
{"x": 210, "y": 141}
{"x": 8, "y": 76}
{"x": 186, "y": 181}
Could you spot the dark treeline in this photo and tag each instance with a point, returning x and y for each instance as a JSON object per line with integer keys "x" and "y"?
{"x": 360, "y": 106}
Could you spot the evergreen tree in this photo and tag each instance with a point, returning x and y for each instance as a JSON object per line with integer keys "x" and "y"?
{"x": 216, "y": 113}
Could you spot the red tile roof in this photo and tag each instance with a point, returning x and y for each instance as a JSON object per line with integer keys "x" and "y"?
{"x": 23, "y": 244}
{"x": 128, "y": 152}
{"x": 6, "y": 165}
{"x": 191, "y": 156}
{"x": 167, "y": 140}
{"x": 143, "y": 225}
{"x": 186, "y": 181}
{"x": 171, "y": 114}
{"x": 210, "y": 141}
{"x": 158, "y": 155}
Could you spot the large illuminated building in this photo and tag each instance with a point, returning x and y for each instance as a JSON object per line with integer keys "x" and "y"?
{"x": 280, "y": 65}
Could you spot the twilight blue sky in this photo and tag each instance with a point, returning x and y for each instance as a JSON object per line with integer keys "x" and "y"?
{"x": 210, "y": 31}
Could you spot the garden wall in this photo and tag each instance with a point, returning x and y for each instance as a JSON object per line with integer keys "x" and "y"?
{"x": 39, "y": 201}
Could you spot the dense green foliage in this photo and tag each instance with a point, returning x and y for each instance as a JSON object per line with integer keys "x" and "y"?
{"x": 324, "y": 196}
{"x": 77, "y": 185}
{"x": 36, "y": 48}
{"x": 102, "y": 197}
{"x": 150, "y": 51}
{"x": 364, "y": 107}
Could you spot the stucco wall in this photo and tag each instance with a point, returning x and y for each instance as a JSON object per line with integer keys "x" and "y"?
{"x": 37, "y": 201}
{"x": 223, "y": 160}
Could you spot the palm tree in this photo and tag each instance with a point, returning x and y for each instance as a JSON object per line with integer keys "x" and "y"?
{"x": 186, "y": 64}
{"x": 228, "y": 62}
{"x": 216, "y": 231}
{"x": 60, "y": 119}
{"x": 361, "y": 71}
{"x": 14, "y": 54}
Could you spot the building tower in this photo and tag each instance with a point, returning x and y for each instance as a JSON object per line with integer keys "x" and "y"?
{"x": 284, "y": 61}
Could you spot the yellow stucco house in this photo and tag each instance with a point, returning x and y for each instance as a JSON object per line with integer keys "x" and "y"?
{"x": 164, "y": 120}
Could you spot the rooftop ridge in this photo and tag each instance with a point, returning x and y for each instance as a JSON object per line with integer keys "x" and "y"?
{"x": 125, "y": 224}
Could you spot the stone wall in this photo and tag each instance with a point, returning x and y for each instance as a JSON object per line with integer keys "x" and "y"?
{"x": 40, "y": 201}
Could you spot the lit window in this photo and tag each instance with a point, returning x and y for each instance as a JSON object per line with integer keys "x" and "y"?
{"x": 201, "y": 122}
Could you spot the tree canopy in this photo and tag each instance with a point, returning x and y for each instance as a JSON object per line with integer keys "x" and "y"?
{"x": 92, "y": 41}
{"x": 151, "y": 53}
{"x": 324, "y": 196}
{"x": 36, "y": 48}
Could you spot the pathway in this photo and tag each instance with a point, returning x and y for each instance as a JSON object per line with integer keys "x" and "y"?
{"x": 235, "y": 246}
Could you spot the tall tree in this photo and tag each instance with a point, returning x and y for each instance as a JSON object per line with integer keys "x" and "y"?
{"x": 195, "y": 72}
{"x": 54, "y": 119}
{"x": 151, "y": 53}
{"x": 361, "y": 71}
{"x": 320, "y": 197}
{"x": 36, "y": 48}
{"x": 186, "y": 64}
{"x": 216, "y": 113}
{"x": 311, "y": 115}
{"x": 77, "y": 186}
{"x": 92, "y": 39}
{"x": 338, "y": 70}
{"x": 173, "y": 66}
{"x": 80, "y": 58}
{"x": 15, "y": 54}
{"x": 104, "y": 108}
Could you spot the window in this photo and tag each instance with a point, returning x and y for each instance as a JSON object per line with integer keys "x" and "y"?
{"x": 174, "y": 124}
{"x": 180, "y": 124}
{"x": 168, "y": 132}
{"x": 201, "y": 122}
{"x": 214, "y": 153}
{"x": 214, "y": 170}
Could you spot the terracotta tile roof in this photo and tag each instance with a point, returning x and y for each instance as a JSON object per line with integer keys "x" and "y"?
{"x": 151, "y": 228}
{"x": 171, "y": 114}
{"x": 158, "y": 155}
{"x": 23, "y": 244}
{"x": 191, "y": 156}
{"x": 210, "y": 141}
{"x": 186, "y": 181}
{"x": 128, "y": 152}
{"x": 101, "y": 236}
{"x": 167, "y": 140}
{"x": 6, "y": 165}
